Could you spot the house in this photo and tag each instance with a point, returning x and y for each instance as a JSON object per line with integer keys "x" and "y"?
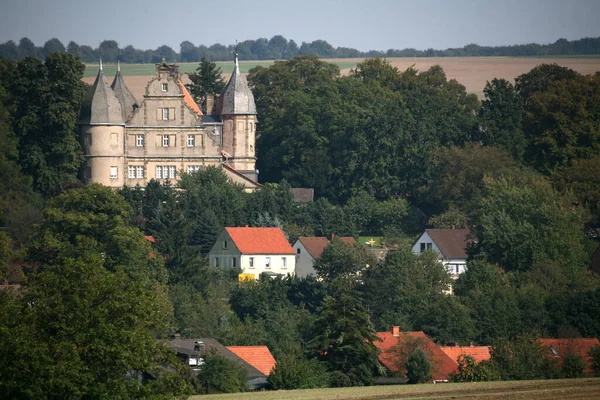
{"x": 396, "y": 345}
{"x": 129, "y": 142}
{"x": 450, "y": 244}
{"x": 478, "y": 353}
{"x": 308, "y": 250}
{"x": 256, "y": 360}
{"x": 254, "y": 251}
{"x": 560, "y": 348}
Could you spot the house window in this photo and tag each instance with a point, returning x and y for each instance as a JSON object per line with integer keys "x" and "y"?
{"x": 216, "y": 261}
{"x": 165, "y": 87}
{"x": 165, "y": 140}
{"x": 191, "y": 140}
{"x": 114, "y": 172}
{"x": 251, "y": 261}
{"x": 139, "y": 140}
{"x": 283, "y": 263}
{"x": 268, "y": 262}
{"x": 426, "y": 246}
{"x": 224, "y": 244}
{"x": 193, "y": 168}
{"x": 298, "y": 250}
{"x": 234, "y": 263}
{"x": 166, "y": 171}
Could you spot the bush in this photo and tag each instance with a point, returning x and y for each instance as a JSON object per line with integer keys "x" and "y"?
{"x": 221, "y": 375}
{"x": 595, "y": 355}
{"x": 298, "y": 373}
{"x": 418, "y": 367}
{"x": 471, "y": 371}
{"x": 339, "y": 379}
{"x": 573, "y": 366}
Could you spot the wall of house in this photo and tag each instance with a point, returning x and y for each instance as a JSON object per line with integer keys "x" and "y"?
{"x": 224, "y": 252}
{"x": 239, "y": 134}
{"x": 425, "y": 238}
{"x": 304, "y": 261}
{"x": 103, "y": 148}
{"x": 276, "y": 263}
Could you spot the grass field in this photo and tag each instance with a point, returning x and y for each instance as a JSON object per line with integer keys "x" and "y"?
{"x": 572, "y": 389}
{"x": 472, "y": 72}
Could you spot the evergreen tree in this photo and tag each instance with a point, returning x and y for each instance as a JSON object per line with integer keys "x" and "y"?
{"x": 206, "y": 81}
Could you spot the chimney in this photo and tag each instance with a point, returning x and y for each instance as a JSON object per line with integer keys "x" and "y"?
{"x": 452, "y": 226}
{"x": 456, "y": 344}
{"x": 210, "y": 102}
{"x": 177, "y": 336}
{"x": 471, "y": 344}
{"x": 199, "y": 347}
{"x": 395, "y": 331}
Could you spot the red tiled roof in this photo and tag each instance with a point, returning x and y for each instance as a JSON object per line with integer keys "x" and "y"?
{"x": 443, "y": 366}
{"x": 187, "y": 97}
{"x": 150, "y": 239}
{"x": 451, "y": 242}
{"x": 260, "y": 240}
{"x": 258, "y": 356}
{"x": 479, "y": 353}
{"x": 316, "y": 245}
{"x": 579, "y": 346}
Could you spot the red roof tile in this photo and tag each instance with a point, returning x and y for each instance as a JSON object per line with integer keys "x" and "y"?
{"x": 150, "y": 239}
{"x": 443, "y": 366}
{"x": 316, "y": 245}
{"x": 187, "y": 97}
{"x": 258, "y": 356}
{"x": 451, "y": 242}
{"x": 579, "y": 346}
{"x": 479, "y": 353}
{"x": 260, "y": 240}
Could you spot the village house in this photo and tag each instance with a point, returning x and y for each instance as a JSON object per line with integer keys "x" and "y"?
{"x": 308, "y": 250}
{"x": 128, "y": 142}
{"x": 560, "y": 349}
{"x": 478, "y": 353}
{"x": 450, "y": 244}
{"x": 255, "y": 251}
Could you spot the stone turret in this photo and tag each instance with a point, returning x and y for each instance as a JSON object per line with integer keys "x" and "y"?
{"x": 102, "y": 134}
{"x": 237, "y": 110}
{"x": 125, "y": 97}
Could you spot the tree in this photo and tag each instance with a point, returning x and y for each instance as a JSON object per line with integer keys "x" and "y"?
{"x": 345, "y": 337}
{"x": 540, "y": 77}
{"x": 297, "y": 373}
{"x": 501, "y": 117}
{"x": 52, "y": 46}
{"x": 470, "y": 370}
{"x": 342, "y": 260}
{"x": 449, "y": 219}
{"x": 27, "y": 48}
{"x": 418, "y": 367}
{"x": 522, "y": 359}
{"x": 206, "y": 81}
{"x": 573, "y": 366}
{"x": 221, "y": 375}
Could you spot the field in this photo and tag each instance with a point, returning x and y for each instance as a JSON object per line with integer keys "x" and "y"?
{"x": 473, "y": 72}
{"x": 543, "y": 390}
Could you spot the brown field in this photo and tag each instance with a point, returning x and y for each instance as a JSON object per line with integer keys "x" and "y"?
{"x": 473, "y": 72}
{"x": 571, "y": 389}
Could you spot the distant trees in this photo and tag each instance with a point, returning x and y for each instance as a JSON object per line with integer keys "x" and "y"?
{"x": 280, "y": 48}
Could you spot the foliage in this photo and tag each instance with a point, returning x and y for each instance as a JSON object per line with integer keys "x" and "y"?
{"x": 470, "y": 370}
{"x": 206, "y": 81}
{"x": 418, "y": 367}
{"x": 573, "y": 366}
{"x": 449, "y": 219}
{"x": 522, "y": 359}
{"x": 341, "y": 260}
{"x": 298, "y": 373}
{"x": 221, "y": 375}
{"x": 595, "y": 359}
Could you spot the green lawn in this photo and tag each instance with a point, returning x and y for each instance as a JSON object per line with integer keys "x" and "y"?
{"x": 588, "y": 388}
{"x": 150, "y": 69}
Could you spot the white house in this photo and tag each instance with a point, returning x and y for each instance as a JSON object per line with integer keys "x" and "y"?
{"x": 308, "y": 250}
{"x": 254, "y": 251}
{"x": 450, "y": 244}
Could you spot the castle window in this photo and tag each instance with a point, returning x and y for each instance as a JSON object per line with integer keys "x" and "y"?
{"x": 87, "y": 173}
{"x": 165, "y": 114}
{"x": 139, "y": 140}
{"x": 131, "y": 172}
{"x": 191, "y": 140}
{"x": 166, "y": 171}
{"x": 165, "y": 139}
{"x": 251, "y": 126}
{"x": 165, "y": 87}
{"x": 114, "y": 172}
{"x": 139, "y": 172}
{"x": 172, "y": 171}
{"x": 193, "y": 168}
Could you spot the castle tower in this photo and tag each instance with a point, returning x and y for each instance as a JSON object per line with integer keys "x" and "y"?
{"x": 237, "y": 110}
{"x": 125, "y": 97}
{"x": 102, "y": 130}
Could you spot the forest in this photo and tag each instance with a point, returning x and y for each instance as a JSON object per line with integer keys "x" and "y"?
{"x": 280, "y": 48}
{"x": 388, "y": 153}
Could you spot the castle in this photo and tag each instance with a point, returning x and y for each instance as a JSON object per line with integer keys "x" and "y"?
{"x": 129, "y": 143}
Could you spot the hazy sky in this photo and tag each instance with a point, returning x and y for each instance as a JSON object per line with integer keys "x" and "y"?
{"x": 362, "y": 24}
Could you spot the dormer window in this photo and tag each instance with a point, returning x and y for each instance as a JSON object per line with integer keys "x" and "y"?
{"x": 165, "y": 87}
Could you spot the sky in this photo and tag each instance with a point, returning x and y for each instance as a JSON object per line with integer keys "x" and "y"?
{"x": 361, "y": 24}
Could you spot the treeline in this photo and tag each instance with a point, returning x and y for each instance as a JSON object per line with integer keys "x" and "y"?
{"x": 280, "y": 48}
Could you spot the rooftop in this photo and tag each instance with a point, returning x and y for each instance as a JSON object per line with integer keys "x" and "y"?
{"x": 260, "y": 240}
{"x": 479, "y": 353}
{"x": 451, "y": 242}
{"x": 258, "y": 356}
{"x": 316, "y": 245}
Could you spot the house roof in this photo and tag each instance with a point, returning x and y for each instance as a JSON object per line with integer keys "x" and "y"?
{"x": 101, "y": 105}
{"x": 303, "y": 195}
{"x": 451, "y": 242}
{"x": 479, "y": 353}
{"x": 236, "y": 98}
{"x": 186, "y": 346}
{"x": 150, "y": 238}
{"x": 316, "y": 245}
{"x": 260, "y": 240}
{"x": 559, "y": 348}
{"x": 238, "y": 173}
{"x": 443, "y": 365}
{"x": 258, "y": 356}
{"x": 187, "y": 97}
{"x": 124, "y": 95}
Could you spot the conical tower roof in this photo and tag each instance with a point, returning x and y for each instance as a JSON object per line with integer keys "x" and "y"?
{"x": 100, "y": 105}
{"x": 237, "y": 98}
{"x": 125, "y": 97}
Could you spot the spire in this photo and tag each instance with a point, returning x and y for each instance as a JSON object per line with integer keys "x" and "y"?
{"x": 100, "y": 105}
{"x": 123, "y": 94}
{"x": 101, "y": 69}
{"x": 118, "y": 65}
{"x": 237, "y": 98}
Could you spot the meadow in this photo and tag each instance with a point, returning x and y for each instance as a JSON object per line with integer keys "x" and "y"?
{"x": 572, "y": 389}
{"x": 472, "y": 72}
